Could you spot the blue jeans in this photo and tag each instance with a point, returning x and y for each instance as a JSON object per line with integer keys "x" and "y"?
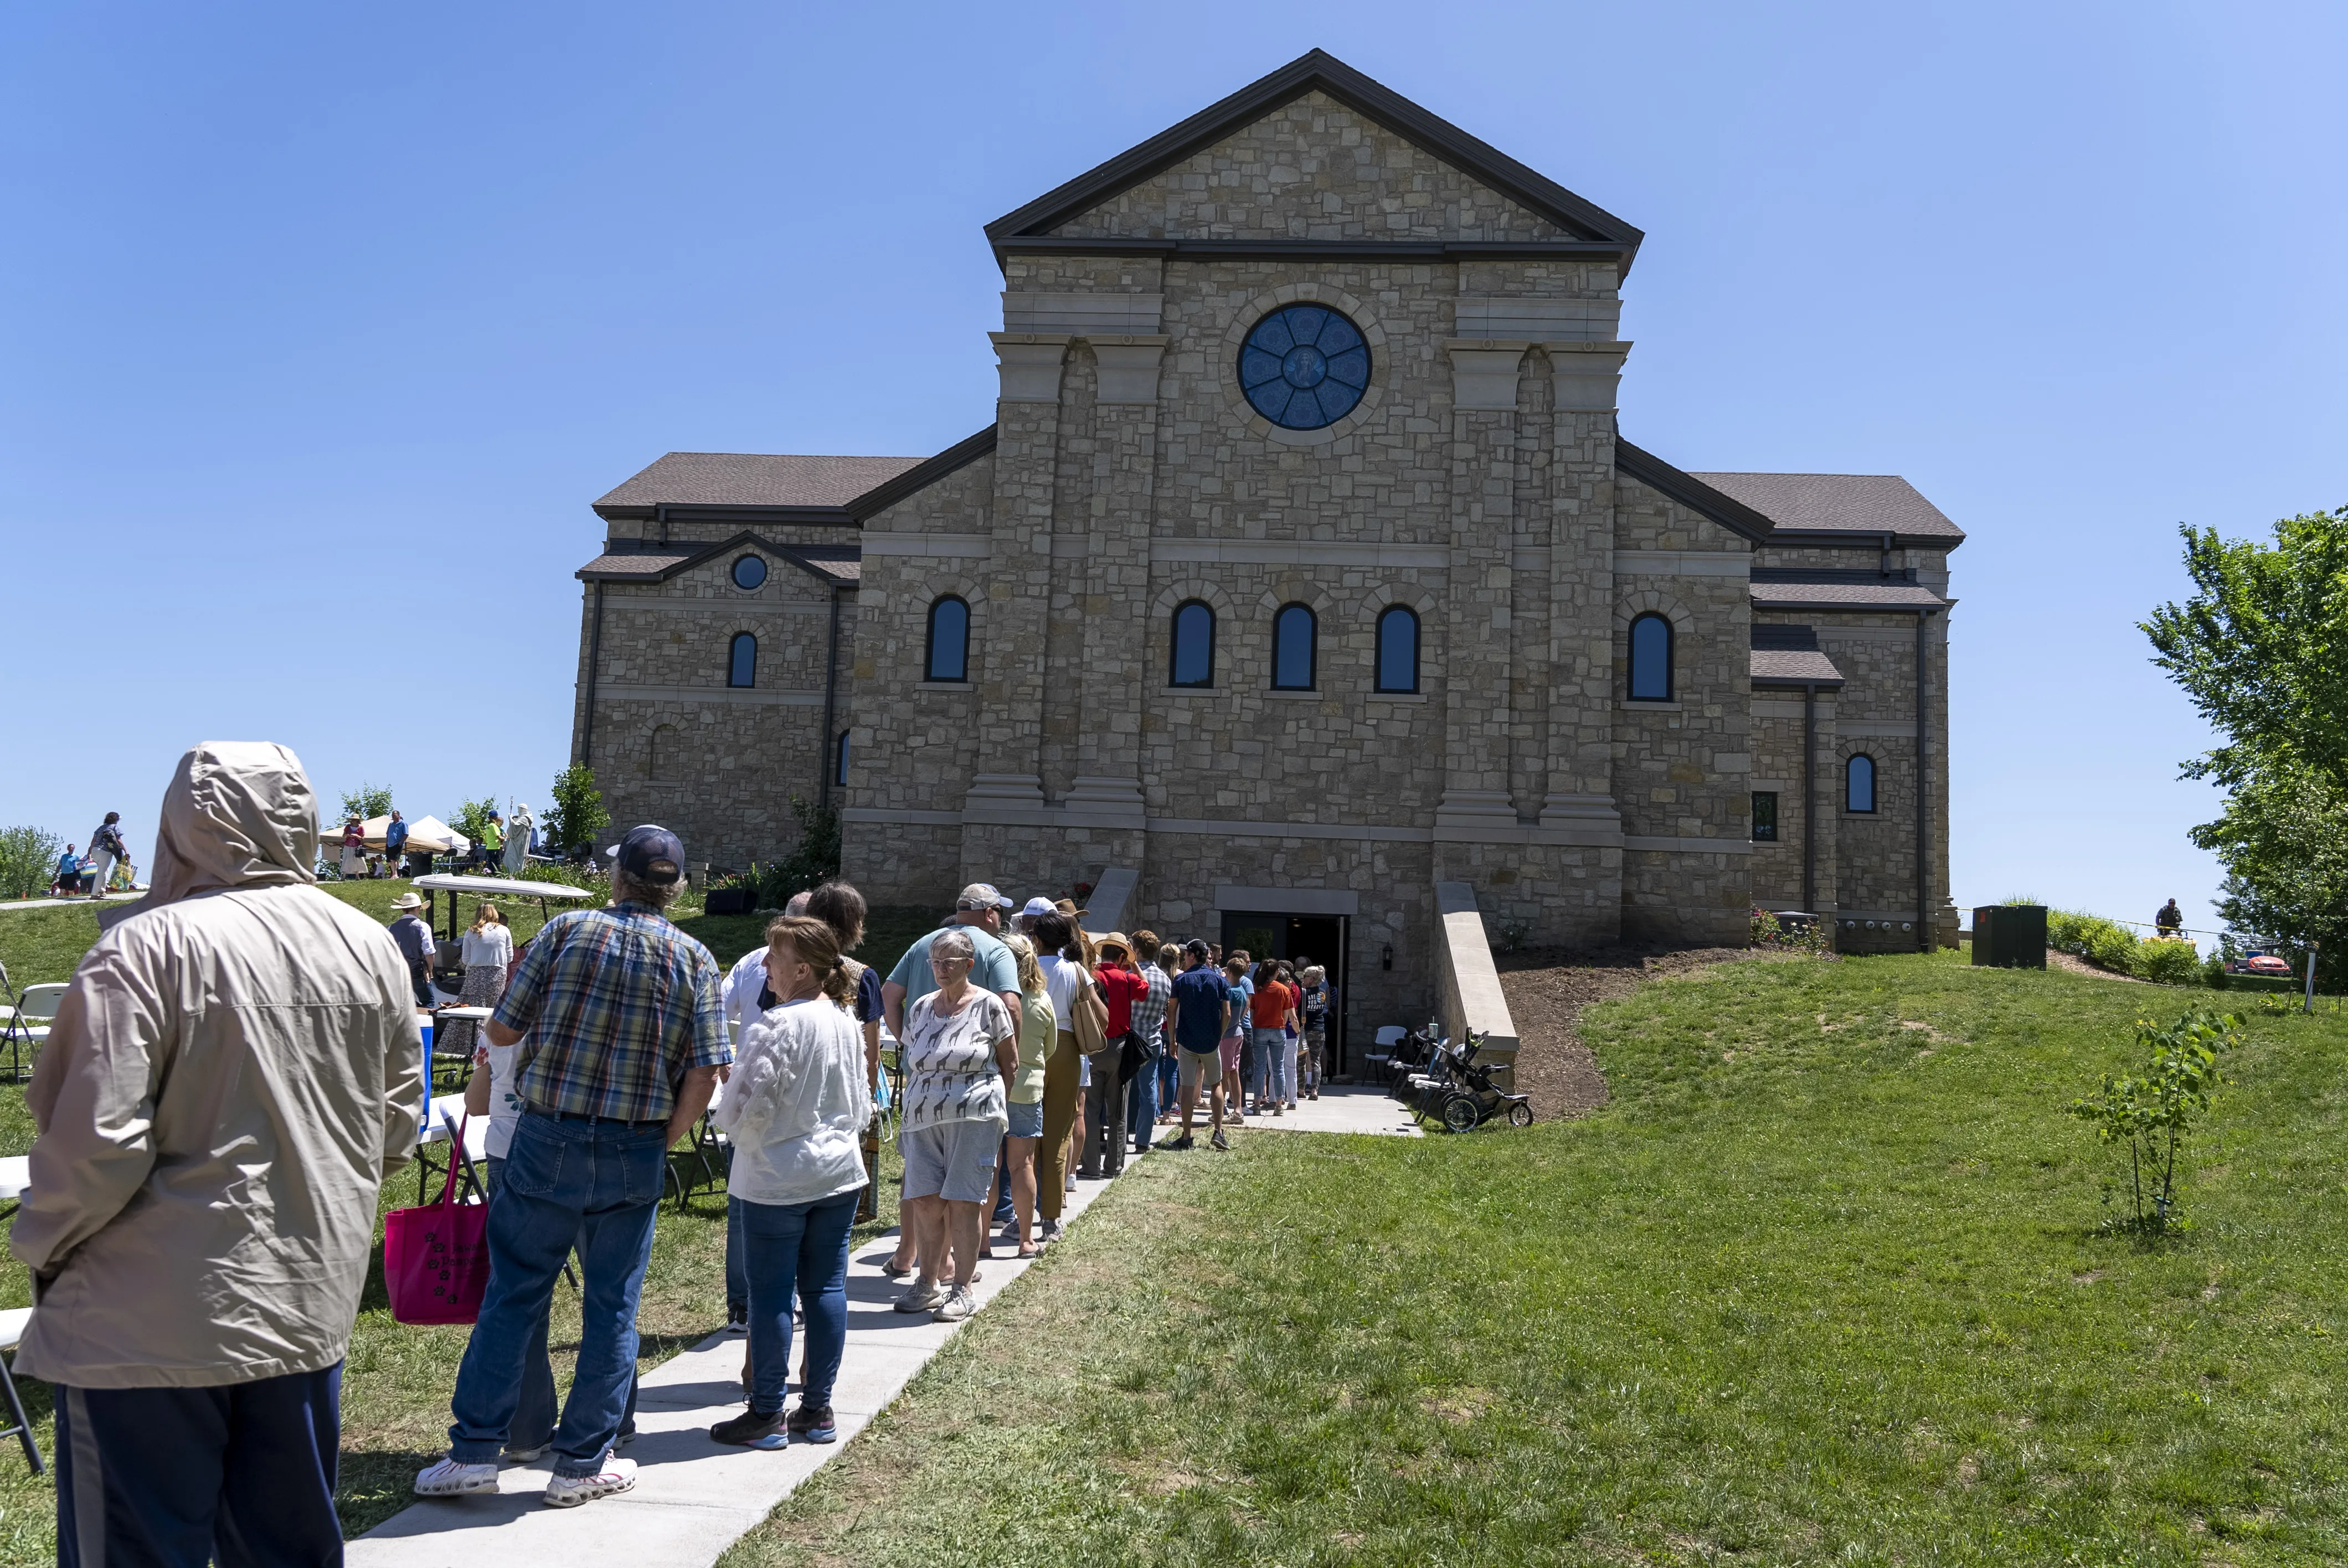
{"x": 1273, "y": 1076}
{"x": 238, "y": 1474}
{"x": 1141, "y": 1105}
{"x": 802, "y": 1249}
{"x": 1168, "y": 1069}
{"x": 534, "y": 1417}
{"x": 595, "y": 1184}
{"x": 738, "y": 1265}
{"x": 1005, "y": 1213}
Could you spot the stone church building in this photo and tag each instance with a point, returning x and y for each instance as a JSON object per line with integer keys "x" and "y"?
{"x": 1301, "y": 567}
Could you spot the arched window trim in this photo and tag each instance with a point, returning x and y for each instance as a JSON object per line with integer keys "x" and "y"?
{"x": 1874, "y": 784}
{"x": 1670, "y": 657}
{"x": 930, "y": 647}
{"x": 736, "y": 675}
{"x": 1174, "y": 647}
{"x": 1378, "y": 672}
{"x": 1311, "y": 648}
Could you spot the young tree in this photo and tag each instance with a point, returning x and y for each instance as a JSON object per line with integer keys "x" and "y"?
{"x": 578, "y": 815}
{"x": 472, "y": 817}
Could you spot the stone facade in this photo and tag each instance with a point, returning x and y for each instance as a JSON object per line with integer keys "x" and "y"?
{"x": 1480, "y": 482}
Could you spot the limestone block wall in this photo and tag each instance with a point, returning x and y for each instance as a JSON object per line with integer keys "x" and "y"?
{"x": 672, "y": 742}
{"x": 1777, "y": 868}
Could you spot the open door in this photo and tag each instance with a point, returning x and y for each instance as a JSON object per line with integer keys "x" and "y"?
{"x": 1301, "y": 940}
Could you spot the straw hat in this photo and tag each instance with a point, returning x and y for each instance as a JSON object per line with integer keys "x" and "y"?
{"x": 1117, "y": 940}
{"x": 408, "y": 901}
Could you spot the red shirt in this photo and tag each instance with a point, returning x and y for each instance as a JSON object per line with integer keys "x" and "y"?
{"x": 1269, "y": 1008}
{"x": 1121, "y": 989}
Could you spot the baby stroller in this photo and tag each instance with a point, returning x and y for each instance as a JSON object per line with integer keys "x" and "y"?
{"x": 1471, "y": 1100}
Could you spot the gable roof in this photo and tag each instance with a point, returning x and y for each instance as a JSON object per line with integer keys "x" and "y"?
{"x": 1691, "y": 492}
{"x": 1597, "y": 231}
{"x": 1841, "y": 503}
{"x": 837, "y": 565}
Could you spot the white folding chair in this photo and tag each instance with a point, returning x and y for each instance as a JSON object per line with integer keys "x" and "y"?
{"x": 37, "y": 1009}
{"x": 12, "y": 1324}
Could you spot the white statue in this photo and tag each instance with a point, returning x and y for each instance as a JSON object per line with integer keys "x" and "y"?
{"x": 521, "y": 828}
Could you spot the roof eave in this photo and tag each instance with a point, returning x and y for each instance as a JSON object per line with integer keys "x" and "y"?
{"x": 921, "y": 475}
{"x": 702, "y": 555}
{"x": 1316, "y": 69}
{"x": 1867, "y": 539}
{"x": 1693, "y": 492}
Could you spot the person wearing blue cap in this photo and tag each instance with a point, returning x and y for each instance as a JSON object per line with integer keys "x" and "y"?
{"x": 622, "y": 1026}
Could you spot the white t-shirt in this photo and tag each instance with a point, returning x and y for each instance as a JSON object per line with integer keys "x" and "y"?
{"x": 505, "y": 1106}
{"x": 796, "y": 1105}
{"x": 492, "y": 945}
{"x": 744, "y": 981}
{"x": 1062, "y": 981}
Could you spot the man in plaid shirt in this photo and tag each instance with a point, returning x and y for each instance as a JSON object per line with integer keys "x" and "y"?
{"x": 1149, "y": 1023}
{"x": 623, "y": 1029}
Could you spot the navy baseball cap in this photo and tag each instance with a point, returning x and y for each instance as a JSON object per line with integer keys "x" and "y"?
{"x": 651, "y": 854}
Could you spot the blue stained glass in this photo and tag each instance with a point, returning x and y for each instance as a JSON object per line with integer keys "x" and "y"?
{"x": 949, "y": 641}
{"x": 1861, "y": 777}
{"x": 1194, "y": 646}
{"x": 1304, "y": 367}
{"x": 1651, "y": 659}
{"x": 1291, "y": 648}
{"x": 1256, "y": 366}
{"x": 1397, "y": 649}
{"x": 742, "y": 660}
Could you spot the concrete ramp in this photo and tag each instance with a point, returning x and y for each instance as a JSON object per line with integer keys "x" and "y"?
{"x": 1472, "y": 998}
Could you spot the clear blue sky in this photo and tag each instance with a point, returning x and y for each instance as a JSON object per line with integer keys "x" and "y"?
{"x": 323, "y": 325}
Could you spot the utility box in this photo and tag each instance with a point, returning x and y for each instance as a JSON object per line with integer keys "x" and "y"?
{"x": 2009, "y": 935}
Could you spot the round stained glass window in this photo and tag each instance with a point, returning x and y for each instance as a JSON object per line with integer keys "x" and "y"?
{"x": 749, "y": 572}
{"x": 1304, "y": 367}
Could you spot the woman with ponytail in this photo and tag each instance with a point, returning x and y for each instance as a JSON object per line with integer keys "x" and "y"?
{"x": 795, "y": 1108}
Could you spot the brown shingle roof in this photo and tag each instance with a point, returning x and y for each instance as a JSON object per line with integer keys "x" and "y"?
{"x": 1845, "y": 596}
{"x": 755, "y": 479}
{"x": 630, "y": 564}
{"x": 1773, "y": 665}
{"x": 1854, "y": 503}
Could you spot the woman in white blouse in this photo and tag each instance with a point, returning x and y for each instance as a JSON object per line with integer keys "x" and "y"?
{"x": 487, "y": 948}
{"x": 795, "y": 1108}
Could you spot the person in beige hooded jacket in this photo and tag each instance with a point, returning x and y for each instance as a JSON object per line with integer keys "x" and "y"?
{"x": 236, "y": 1067}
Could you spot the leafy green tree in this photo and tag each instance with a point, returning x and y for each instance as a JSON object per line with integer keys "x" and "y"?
{"x": 472, "y": 817}
{"x": 2262, "y": 649}
{"x": 29, "y": 860}
{"x": 578, "y": 813}
{"x": 367, "y": 803}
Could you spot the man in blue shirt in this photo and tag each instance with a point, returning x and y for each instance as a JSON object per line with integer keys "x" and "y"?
{"x": 395, "y": 843}
{"x": 1197, "y": 1015}
{"x": 978, "y": 911}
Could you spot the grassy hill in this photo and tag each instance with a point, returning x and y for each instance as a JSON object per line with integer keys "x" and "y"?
{"x": 1827, "y": 1281}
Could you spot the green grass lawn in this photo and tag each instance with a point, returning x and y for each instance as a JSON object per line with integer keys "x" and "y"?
{"x": 398, "y": 1380}
{"x": 1827, "y": 1282}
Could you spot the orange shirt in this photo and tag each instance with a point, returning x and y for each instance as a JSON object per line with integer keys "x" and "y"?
{"x": 1269, "y": 1008}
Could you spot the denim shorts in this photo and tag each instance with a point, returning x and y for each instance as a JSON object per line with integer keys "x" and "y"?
{"x": 954, "y": 1160}
{"x": 1026, "y": 1120}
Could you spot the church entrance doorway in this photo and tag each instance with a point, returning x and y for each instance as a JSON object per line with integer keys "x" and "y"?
{"x": 1300, "y": 939}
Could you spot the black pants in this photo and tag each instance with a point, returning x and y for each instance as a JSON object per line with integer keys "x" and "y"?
{"x": 243, "y": 1473}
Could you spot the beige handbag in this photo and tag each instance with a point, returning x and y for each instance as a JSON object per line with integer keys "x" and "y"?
{"x": 1090, "y": 1026}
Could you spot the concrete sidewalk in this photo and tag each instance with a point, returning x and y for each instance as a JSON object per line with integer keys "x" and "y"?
{"x": 61, "y": 903}
{"x": 1342, "y": 1107}
{"x": 693, "y": 1498}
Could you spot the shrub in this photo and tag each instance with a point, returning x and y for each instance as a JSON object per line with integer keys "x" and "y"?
{"x": 2169, "y": 963}
{"x": 29, "y": 860}
{"x": 568, "y": 876}
{"x": 1768, "y": 933}
{"x": 815, "y": 859}
{"x": 2153, "y": 1114}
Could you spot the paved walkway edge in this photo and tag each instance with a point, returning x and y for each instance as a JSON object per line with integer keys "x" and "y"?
{"x": 693, "y": 1498}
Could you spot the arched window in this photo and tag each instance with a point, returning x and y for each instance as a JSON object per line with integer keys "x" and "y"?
{"x": 1292, "y": 642}
{"x": 1398, "y": 648}
{"x": 742, "y": 663}
{"x": 1651, "y": 659}
{"x": 1858, "y": 784}
{"x": 840, "y": 762}
{"x": 1192, "y": 656}
{"x": 949, "y": 656}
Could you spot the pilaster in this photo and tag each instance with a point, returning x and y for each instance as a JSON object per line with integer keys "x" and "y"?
{"x": 1010, "y": 664}
{"x": 1478, "y": 588}
{"x": 1584, "y": 377}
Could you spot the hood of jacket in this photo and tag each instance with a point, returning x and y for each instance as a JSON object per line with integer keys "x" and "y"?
{"x": 237, "y": 813}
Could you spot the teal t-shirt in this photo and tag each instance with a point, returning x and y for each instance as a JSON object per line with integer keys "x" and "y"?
{"x": 995, "y": 970}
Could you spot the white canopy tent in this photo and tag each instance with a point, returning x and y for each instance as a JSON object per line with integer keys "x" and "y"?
{"x": 425, "y": 832}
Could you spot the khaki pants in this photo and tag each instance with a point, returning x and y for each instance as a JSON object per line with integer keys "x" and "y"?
{"x": 1060, "y": 1092}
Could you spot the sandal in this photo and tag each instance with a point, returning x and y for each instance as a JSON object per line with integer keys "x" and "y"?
{"x": 889, "y": 1270}
{"x": 1031, "y": 1252}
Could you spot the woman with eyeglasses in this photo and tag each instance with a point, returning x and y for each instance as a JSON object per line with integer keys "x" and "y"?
{"x": 960, "y": 1047}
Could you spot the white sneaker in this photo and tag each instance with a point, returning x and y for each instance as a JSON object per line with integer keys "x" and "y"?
{"x": 446, "y": 1477}
{"x": 570, "y": 1491}
{"x": 919, "y": 1298}
{"x": 957, "y": 1306}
